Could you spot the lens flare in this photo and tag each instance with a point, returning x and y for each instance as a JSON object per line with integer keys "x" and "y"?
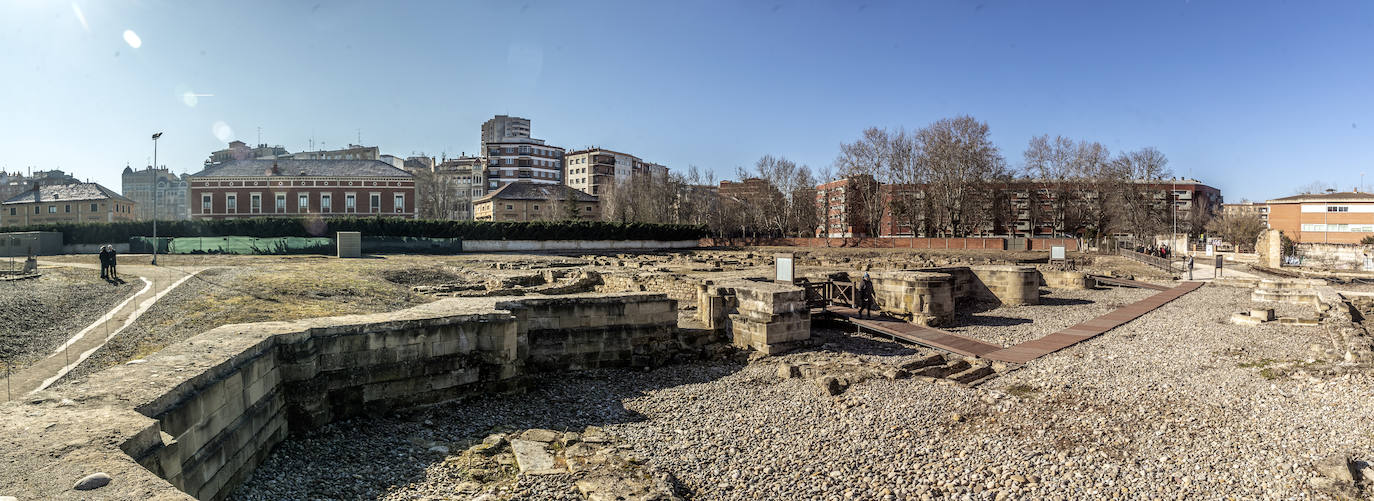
{"x": 132, "y": 39}
{"x": 222, "y": 132}
{"x": 190, "y": 98}
{"x": 81, "y": 17}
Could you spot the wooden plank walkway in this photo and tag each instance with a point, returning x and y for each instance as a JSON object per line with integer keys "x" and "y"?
{"x": 1020, "y": 353}
{"x": 1129, "y": 283}
{"x": 919, "y": 334}
{"x": 1030, "y": 350}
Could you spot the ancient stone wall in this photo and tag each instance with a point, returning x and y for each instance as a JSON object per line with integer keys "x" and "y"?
{"x": 769, "y": 317}
{"x": 922, "y": 297}
{"x": 1059, "y": 279}
{"x": 677, "y": 286}
{"x": 1008, "y": 284}
{"x": 201, "y": 414}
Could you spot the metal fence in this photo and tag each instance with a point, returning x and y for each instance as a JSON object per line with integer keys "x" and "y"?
{"x": 1158, "y": 262}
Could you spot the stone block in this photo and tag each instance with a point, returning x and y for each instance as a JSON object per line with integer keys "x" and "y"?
{"x": 1265, "y": 315}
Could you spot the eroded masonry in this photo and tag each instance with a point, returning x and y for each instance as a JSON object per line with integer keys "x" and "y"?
{"x": 197, "y": 418}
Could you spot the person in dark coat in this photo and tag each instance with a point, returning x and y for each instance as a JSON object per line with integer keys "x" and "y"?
{"x": 114, "y": 264}
{"x": 105, "y": 262}
{"x": 864, "y": 295}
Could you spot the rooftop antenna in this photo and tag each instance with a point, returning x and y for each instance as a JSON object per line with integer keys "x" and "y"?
{"x": 360, "y": 137}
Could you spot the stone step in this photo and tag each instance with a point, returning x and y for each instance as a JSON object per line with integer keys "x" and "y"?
{"x": 936, "y": 359}
{"x": 940, "y": 371}
{"x": 971, "y": 374}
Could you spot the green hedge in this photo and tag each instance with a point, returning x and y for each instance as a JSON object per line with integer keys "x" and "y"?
{"x": 118, "y": 232}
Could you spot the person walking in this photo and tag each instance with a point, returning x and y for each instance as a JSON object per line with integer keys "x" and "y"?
{"x": 1189, "y": 265}
{"x": 105, "y": 262}
{"x": 864, "y": 295}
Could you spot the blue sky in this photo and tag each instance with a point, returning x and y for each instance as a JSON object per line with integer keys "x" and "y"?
{"x": 1254, "y": 98}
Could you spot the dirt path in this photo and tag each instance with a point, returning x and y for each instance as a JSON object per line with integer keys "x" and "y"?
{"x": 157, "y": 280}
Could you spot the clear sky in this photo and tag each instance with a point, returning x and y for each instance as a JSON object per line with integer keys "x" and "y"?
{"x": 1255, "y": 98}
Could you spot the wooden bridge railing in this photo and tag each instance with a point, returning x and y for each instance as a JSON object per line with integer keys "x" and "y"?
{"x": 1157, "y": 262}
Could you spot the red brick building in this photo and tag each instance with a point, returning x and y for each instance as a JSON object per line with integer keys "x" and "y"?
{"x": 295, "y": 188}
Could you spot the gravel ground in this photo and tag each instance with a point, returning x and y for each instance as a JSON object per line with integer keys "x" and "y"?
{"x": 1058, "y": 310}
{"x": 164, "y": 323}
{"x": 1167, "y": 406}
{"x": 38, "y": 315}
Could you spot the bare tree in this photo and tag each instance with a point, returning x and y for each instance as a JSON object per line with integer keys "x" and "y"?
{"x": 1141, "y": 208}
{"x": 866, "y": 164}
{"x": 961, "y": 160}
{"x": 1315, "y": 188}
{"x": 1238, "y": 229}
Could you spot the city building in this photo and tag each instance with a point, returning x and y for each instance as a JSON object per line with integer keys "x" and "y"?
{"x": 1333, "y": 217}
{"x": 14, "y": 183}
{"x": 295, "y": 188}
{"x": 393, "y": 161}
{"x": 525, "y": 160}
{"x": 1239, "y": 209}
{"x": 172, "y": 193}
{"x": 596, "y": 170}
{"x": 352, "y": 152}
{"x": 238, "y": 150}
{"x": 502, "y": 128}
{"x": 462, "y": 178}
{"x": 513, "y": 156}
{"x": 536, "y": 202}
{"x": 66, "y": 203}
{"x": 417, "y": 164}
{"x": 836, "y": 203}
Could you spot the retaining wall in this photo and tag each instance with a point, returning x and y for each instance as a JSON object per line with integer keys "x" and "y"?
{"x": 921, "y": 297}
{"x": 199, "y": 416}
{"x": 567, "y": 245}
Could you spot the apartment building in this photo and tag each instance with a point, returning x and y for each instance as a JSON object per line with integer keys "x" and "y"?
{"x": 1333, "y": 217}
{"x": 464, "y": 177}
{"x": 536, "y": 202}
{"x": 14, "y": 183}
{"x": 66, "y": 203}
{"x": 1260, "y": 209}
{"x": 295, "y": 188}
{"x": 352, "y": 152}
{"x": 238, "y": 150}
{"x": 502, "y": 128}
{"x": 597, "y": 170}
{"x": 171, "y": 193}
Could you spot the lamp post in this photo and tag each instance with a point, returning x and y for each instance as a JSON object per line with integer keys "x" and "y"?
{"x": 152, "y": 191}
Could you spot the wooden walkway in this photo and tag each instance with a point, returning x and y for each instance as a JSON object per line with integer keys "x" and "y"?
{"x": 1128, "y": 283}
{"x": 918, "y": 334}
{"x": 1020, "y": 353}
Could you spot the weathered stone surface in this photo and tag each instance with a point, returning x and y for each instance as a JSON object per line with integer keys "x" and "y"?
{"x": 533, "y": 458}
{"x": 540, "y": 435}
{"x": 92, "y": 481}
{"x": 1338, "y": 467}
{"x": 788, "y": 371}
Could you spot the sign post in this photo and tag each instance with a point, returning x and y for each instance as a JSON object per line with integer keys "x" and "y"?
{"x": 785, "y": 268}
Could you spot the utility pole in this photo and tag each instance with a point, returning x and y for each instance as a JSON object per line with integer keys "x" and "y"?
{"x": 152, "y": 189}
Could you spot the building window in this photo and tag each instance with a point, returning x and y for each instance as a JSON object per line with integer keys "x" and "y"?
{"x": 67, "y": 208}
{"x": 231, "y": 203}
{"x": 52, "y": 209}
{"x": 92, "y": 207}
{"x": 536, "y": 207}
{"x": 205, "y": 204}
{"x": 374, "y": 201}
{"x": 281, "y": 203}
{"x": 399, "y": 202}
{"x": 1338, "y": 208}
{"x": 254, "y": 203}
{"x": 13, "y": 212}
{"x": 510, "y": 207}
{"x": 326, "y": 202}
{"x": 303, "y": 203}
{"x": 350, "y": 202}
{"x": 37, "y": 210}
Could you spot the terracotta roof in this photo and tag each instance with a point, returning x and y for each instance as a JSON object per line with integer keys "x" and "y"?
{"x": 1341, "y": 196}
{"x": 262, "y": 167}
{"x": 533, "y": 191}
{"x": 73, "y": 192}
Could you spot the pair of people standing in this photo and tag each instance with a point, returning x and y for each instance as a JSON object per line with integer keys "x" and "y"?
{"x": 108, "y": 263}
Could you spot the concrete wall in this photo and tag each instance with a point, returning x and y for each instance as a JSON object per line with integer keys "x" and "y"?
{"x": 1333, "y": 256}
{"x": 562, "y": 245}
{"x": 202, "y": 414}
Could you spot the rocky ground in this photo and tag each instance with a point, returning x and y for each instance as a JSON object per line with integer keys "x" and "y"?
{"x": 38, "y": 315}
{"x": 1058, "y": 310}
{"x": 1176, "y": 404}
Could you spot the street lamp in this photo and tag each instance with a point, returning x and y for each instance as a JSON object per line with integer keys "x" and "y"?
{"x": 152, "y": 191}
